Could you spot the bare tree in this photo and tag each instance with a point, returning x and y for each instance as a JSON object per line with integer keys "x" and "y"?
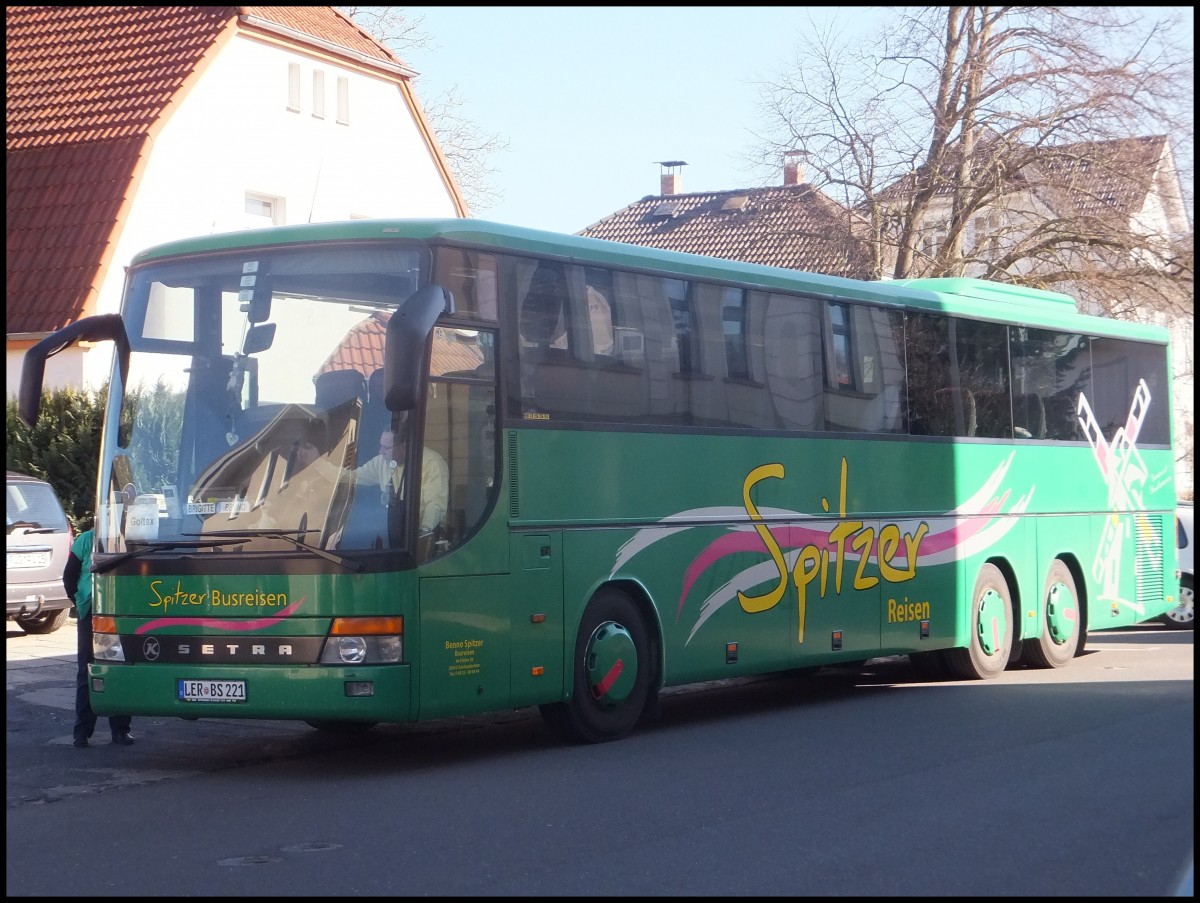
{"x": 468, "y": 149}
{"x": 951, "y": 114}
{"x": 1013, "y": 143}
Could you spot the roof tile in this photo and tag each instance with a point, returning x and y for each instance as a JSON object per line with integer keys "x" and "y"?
{"x": 793, "y": 226}
{"x": 84, "y": 86}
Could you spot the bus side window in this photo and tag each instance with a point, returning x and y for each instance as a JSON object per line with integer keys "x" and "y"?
{"x": 540, "y": 291}
{"x": 954, "y": 413}
{"x": 993, "y": 414}
{"x": 541, "y": 310}
{"x": 1029, "y": 416}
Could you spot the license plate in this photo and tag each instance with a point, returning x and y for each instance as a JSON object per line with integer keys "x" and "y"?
{"x": 28, "y": 559}
{"x": 212, "y": 690}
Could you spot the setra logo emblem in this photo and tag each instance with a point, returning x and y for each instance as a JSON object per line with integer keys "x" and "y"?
{"x": 150, "y": 649}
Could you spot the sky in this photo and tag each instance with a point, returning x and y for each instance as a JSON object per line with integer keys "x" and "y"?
{"x": 589, "y": 98}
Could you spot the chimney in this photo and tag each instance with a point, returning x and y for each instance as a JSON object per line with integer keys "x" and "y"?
{"x": 669, "y": 182}
{"x": 793, "y": 167}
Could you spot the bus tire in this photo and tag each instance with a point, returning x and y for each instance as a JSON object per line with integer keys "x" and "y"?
{"x": 1058, "y": 639}
{"x": 612, "y": 672}
{"x": 990, "y": 643}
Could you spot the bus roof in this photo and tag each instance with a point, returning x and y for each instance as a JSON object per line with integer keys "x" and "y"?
{"x": 961, "y": 296}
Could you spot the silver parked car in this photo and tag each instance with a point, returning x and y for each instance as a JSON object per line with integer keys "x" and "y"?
{"x": 1181, "y": 615}
{"x": 37, "y": 542}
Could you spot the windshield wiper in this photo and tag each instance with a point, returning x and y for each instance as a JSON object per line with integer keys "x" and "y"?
{"x": 352, "y": 564}
{"x": 107, "y": 564}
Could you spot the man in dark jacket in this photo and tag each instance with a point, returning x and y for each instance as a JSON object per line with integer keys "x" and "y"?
{"x": 77, "y": 578}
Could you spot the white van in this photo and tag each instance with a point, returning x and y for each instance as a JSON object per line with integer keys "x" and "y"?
{"x": 1181, "y": 615}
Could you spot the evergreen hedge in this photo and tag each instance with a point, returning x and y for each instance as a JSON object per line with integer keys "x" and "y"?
{"x": 63, "y": 448}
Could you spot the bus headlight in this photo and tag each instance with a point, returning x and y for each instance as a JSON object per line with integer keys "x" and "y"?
{"x": 106, "y": 644}
{"x": 106, "y": 647}
{"x": 362, "y": 650}
{"x": 364, "y": 641}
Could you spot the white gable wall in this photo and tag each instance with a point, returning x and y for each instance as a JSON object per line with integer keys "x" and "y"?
{"x": 233, "y": 134}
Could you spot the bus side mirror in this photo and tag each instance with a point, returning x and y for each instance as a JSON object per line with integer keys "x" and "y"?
{"x": 405, "y": 347}
{"x": 259, "y": 337}
{"x": 100, "y": 328}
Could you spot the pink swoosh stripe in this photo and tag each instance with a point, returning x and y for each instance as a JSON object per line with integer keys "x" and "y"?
{"x": 222, "y": 624}
{"x": 794, "y": 537}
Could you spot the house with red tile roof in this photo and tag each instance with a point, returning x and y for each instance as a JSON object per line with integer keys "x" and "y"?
{"x": 792, "y": 225}
{"x": 128, "y": 126}
{"x": 1127, "y": 183}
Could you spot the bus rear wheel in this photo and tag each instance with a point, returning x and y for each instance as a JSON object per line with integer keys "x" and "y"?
{"x": 1055, "y": 645}
{"x": 990, "y": 643}
{"x": 612, "y": 672}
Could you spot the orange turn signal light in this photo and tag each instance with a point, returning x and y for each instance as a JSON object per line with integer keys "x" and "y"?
{"x": 104, "y": 624}
{"x": 367, "y": 626}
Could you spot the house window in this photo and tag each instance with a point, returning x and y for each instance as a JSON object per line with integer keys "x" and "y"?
{"x": 842, "y": 375}
{"x": 687, "y": 334}
{"x": 318, "y": 94}
{"x": 343, "y": 100}
{"x": 293, "y": 102}
{"x": 934, "y": 239}
{"x": 733, "y": 325}
{"x": 987, "y": 235}
{"x": 263, "y": 210}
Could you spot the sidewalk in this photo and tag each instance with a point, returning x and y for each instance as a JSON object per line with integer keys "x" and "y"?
{"x": 41, "y": 669}
{"x": 44, "y": 766}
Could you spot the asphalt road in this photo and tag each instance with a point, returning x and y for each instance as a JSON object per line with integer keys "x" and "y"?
{"x": 1076, "y": 781}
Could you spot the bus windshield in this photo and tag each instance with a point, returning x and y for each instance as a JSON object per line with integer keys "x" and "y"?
{"x": 247, "y": 411}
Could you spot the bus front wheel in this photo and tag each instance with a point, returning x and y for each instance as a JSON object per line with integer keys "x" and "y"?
{"x": 990, "y": 643}
{"x": 1055, "y": 645}
{"x": 612, "y": 672}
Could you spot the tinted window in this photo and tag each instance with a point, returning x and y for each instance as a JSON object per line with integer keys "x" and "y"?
{"x": 1051, "y": 370}
{"x": 1130, "y": 391}
{"x": 864, "y": 368}
{"x": 470, "y": 276}
{"x": 33, "y": 505}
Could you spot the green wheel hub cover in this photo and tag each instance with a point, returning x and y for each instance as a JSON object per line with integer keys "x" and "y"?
{"x": 1061, "y": 613}
{"x": 993, "y": 620}
{"x": 610, "y": 664}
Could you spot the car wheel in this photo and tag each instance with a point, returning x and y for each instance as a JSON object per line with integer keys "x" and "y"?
{"x": 47, "y": 622}
{"x": 1180, "y": 617}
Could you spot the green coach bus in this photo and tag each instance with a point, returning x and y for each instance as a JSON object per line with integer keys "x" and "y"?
{"x": 393, "y": 471}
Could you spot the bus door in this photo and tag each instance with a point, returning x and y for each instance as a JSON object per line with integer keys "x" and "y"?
{"x": 494, "y": 640}
{"x": 464, "y": 641}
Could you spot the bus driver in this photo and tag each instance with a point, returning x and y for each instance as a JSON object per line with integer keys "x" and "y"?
{"x": 386, "y": 470}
